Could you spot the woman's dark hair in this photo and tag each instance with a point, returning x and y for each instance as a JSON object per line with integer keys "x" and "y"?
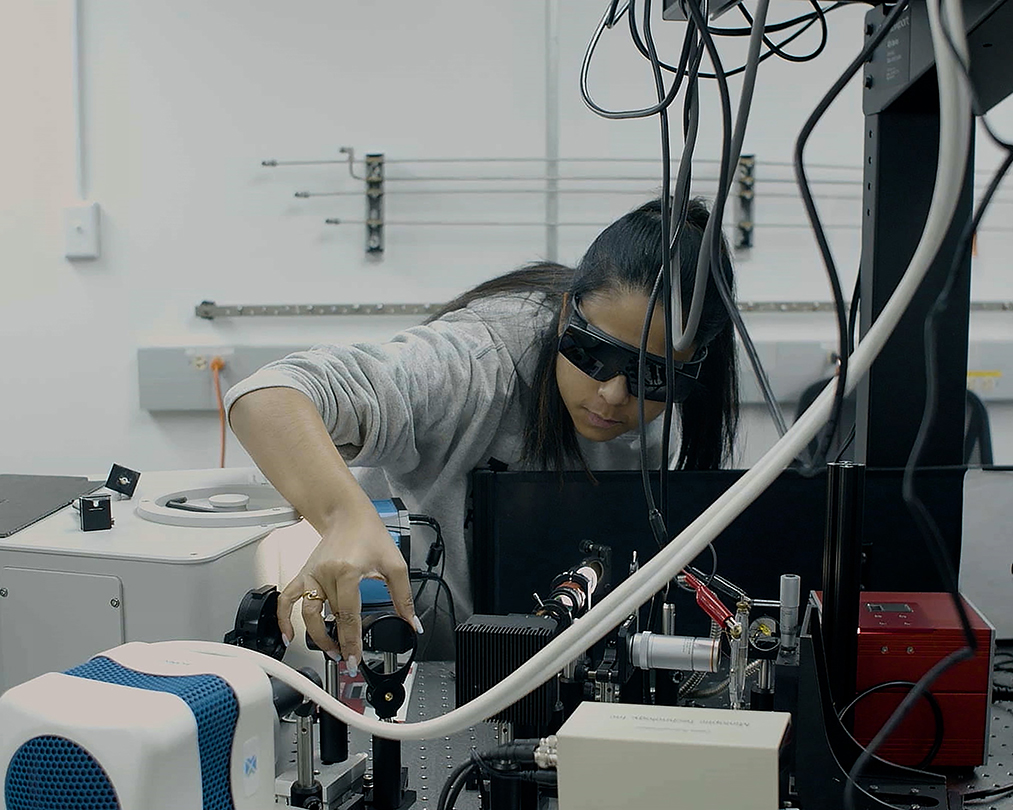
{"x": 625, "y": 258}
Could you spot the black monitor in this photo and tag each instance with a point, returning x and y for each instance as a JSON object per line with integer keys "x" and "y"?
{"x": 527, "y": 527}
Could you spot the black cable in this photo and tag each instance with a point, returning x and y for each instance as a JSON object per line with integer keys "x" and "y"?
{"x": 691, "y": 109}
{"x": 706, "y": 579}
{"x": 663, "y": 283}
{"x": 436, "y": 548}
{"x": 937, "y": 714}
{"x": 790, "y": 57}
{"x": 856, "y": 298}
{"x": 520, "y": 756}
{"x": 814, "y": 219}
{"x": 920, "y": 689}
{"x": 454, "y": 785}
{"x": 773, "y": 28}
{"x": 808, "y": 19}
{"x": 452, "y": 613}
{"x": 666, "y": 263}
{"x": 611, "y": 19}
{"x": 625, "y": 114}
{"x": 764, "y": 56}
{"x": 852, "y": 324}
{"x": 418, "y": 573}
{"x": 717, "y": 214}
{"x": 846, "y": 445}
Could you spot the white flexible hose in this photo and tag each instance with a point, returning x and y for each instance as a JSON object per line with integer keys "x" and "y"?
{"x": 954, "y": 135}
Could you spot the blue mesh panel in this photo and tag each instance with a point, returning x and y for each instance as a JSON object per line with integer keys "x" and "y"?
{"x": 214, "y": 707}
{"x": 51, "y": 773}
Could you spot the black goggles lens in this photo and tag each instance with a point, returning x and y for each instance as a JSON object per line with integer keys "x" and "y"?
{"x": 601, "y": 357}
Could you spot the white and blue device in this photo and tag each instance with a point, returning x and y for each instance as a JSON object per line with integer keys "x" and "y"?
{"x": 394, "y": 515}
{"x": 141, "y": 727}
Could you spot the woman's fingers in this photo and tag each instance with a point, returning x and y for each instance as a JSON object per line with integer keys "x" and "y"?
{"x": 347, "y": 607}
{"x": 290, "y": 594}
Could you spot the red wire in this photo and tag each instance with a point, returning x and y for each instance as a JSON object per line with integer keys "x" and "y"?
{"x": 217, "y": 364}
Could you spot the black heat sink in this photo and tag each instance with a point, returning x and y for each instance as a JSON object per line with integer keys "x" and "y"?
{"x": 491, "y": 647}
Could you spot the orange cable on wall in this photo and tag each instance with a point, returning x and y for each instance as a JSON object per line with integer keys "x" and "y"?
{"x": 217, "y": 364}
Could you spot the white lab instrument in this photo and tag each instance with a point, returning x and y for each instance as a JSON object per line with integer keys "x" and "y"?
{"x": 141, "y": 727}
{"x": 159, "y": 573}
{"x": 613, "y": 755}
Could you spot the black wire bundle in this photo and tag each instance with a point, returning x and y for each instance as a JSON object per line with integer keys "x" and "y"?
{"x": 435, "y": 556}
{"x": 426, "y": 576}
{"x": 805, "y": 21}
{"x": 514, "y": 760}
{"x": 697, "y": 39}
{"x": 436, "y": 549}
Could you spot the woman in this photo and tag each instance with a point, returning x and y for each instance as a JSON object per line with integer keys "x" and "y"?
{"x": 536, "y": 369}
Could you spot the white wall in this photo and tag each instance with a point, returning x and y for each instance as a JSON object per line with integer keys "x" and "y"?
{"x": 183, "y": 100}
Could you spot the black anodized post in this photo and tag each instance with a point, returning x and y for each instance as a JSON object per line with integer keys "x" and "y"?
{"x": 842, "y": 559}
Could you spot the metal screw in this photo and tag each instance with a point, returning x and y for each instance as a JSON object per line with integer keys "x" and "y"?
{"x": 114, "y": 602}
{"x": 3, "y": 593}
{"x": 868, "y": 81}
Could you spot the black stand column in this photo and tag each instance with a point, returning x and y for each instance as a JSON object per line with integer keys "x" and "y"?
{"x": 901, "y": 145}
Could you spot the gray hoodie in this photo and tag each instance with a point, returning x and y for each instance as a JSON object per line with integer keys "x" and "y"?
{"x": 423, "y": 410}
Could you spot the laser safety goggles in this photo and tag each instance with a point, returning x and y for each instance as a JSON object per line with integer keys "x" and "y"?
{"x": 601, "y": 357}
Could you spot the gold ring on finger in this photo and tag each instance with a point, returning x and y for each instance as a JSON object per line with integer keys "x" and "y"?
{"x": 313, "y": 595}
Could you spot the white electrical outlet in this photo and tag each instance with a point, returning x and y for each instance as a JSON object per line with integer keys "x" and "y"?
{"x": 200, "y": 358}
{"x": 81, "y": 231}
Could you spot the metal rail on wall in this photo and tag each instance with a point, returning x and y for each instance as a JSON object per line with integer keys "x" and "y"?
{"x": 553, "y": 183}
{"x": 209, "y": 310}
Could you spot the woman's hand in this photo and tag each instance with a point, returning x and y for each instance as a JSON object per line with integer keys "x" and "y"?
{"x": 285, "y": 436}
{"x": 355, "y": 545}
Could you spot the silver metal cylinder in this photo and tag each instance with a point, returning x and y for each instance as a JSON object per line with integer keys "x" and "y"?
{"x": 790, "y": 591}
{"x": 504, "y": 733}
{"x": 686, "y": 653}
{"x": 765, "y": 677}
{"x": 331, "y": 678}
{"x": 739, "y": 657}
{"x": 389, "y": 663}
{"x": 304, "y": 751}
{"x": 668, "y": 619}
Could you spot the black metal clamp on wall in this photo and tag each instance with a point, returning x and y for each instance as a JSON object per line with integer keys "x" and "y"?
{"x": 745, "y": 181}
{"x": 374, "y": 204}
